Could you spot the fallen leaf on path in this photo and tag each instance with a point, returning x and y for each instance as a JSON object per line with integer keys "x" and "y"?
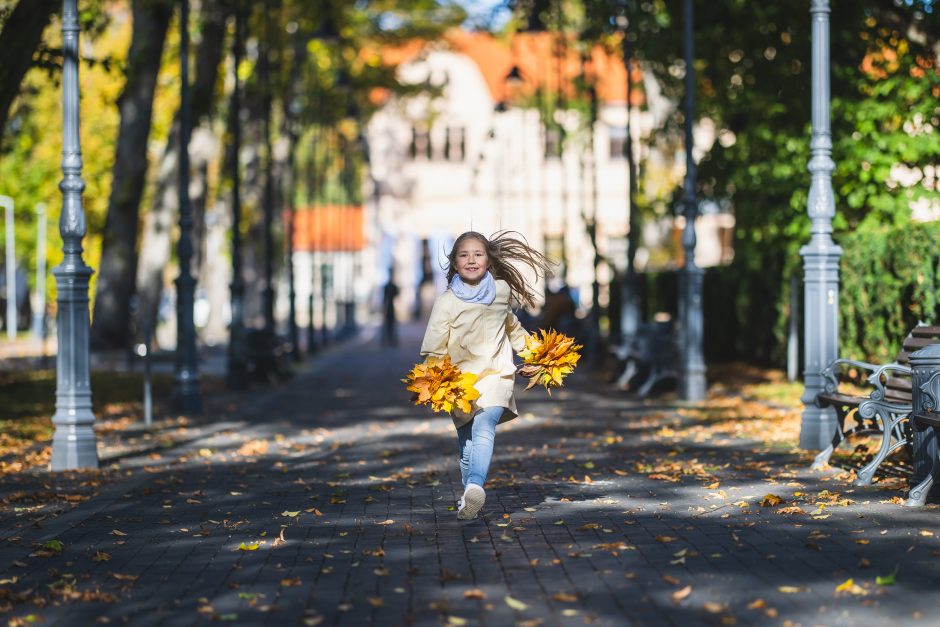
{"x": 386, "y": 522}
{"x": 757, "y": 604}
{"x": 116, "y": 532}
{"x": 124, "y": 577}
{"x": 565, "y": 597}
{"x": 682, "y": 593}
{"x": 713, "y": 607}
{"x": 516, "y": 604}
{"x": 248, "y": 547}
{"x": 771, "y": 500}
{"x": 851, "y": 587}
{"x": 474, "y": 593}
{"x": 101, "y": 556}
{"x": 288, "y": 514}
{"x": 887, "y": 580}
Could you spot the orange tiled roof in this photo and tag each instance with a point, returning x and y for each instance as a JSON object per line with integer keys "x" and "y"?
{"x": 537, "y": 56}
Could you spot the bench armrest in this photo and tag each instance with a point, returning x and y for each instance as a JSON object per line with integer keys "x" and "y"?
{"x": 831, "y": 372}
{"x": 881, "y": 374}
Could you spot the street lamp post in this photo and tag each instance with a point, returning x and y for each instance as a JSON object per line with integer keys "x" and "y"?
{"x": 291, "y": 226}
{"x": 692, "y": 380}
{"x": 237, "y": 368}
{"x": 73, "y": 444}
{"x": 265, "y": 75}
{"x": 630, "y": 297}
{"x": 821, "y": 254}
{"x": 186, "y": 378}
{"x": 315, "y": 253}
{"x": 592, "y": 200}
{"x": 293, "y": 123}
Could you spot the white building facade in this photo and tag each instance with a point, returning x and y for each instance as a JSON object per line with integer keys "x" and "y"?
{"x": 465, "y": 159}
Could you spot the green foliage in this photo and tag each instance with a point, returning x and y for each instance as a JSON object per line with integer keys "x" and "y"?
{"x": 753, "y": 82}
{"x": 30, "y": 165}
{"x": 890, "y": 281}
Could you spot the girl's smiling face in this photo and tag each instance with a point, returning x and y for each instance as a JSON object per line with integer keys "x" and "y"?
{"x": 471, "y": 260}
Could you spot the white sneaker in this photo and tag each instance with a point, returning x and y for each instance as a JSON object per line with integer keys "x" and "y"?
{"x": 472, "y": 502}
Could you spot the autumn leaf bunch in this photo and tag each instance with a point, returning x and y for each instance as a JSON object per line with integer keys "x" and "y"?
{"x": 441, "y": 385}
{"x": 548, "y": 359}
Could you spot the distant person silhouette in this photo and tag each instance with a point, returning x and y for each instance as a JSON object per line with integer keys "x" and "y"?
{"x": 389, "y": 323}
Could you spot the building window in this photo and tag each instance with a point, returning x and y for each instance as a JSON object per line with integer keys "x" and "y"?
{"x": 455, "y": 143}
{"x": 420, "y": 143}
{"x": 552, "y": 142}
{"x": 617, "y": 140}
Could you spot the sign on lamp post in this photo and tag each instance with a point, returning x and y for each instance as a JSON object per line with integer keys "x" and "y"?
{"x": 39, "y": 315}
{"x": 7, "y": 204}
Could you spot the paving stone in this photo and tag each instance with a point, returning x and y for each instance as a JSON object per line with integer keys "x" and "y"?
{"x": 376, "y": 539}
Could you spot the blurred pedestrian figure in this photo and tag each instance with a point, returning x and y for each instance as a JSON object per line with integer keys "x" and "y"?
{"x": 389, "y": 324}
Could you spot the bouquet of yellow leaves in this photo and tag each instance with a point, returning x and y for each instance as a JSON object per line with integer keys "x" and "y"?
{"x": 546, "y": 360}
{"x": 440, "y": 384}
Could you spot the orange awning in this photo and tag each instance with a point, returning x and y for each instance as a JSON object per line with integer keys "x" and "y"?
{"x": 328, "y": 228}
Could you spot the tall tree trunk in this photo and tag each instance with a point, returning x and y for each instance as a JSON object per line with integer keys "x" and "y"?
{"x": 158, "y": 222}
{"x": 111, "y": 322}
{"x": 19, "y": 39}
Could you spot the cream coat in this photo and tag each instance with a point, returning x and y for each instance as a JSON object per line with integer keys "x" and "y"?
{"x": 480, "y": 339}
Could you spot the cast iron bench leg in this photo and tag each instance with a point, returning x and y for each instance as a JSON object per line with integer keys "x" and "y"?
{"x": 888, "y": 429}
{"x": 822, "y": 458}
{"x": 917, "y": 497}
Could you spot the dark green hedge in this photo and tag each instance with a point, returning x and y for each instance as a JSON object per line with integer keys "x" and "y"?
{"x": 889, "y": 280}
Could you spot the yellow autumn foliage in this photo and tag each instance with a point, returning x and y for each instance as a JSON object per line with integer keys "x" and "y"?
{"x": 548, "y": 359}
{"x": 441, "y": 385}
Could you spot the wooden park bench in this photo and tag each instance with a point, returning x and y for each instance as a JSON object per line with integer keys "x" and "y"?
{"x": 884, "y": 412}
{"x": 651, "y": 353}
{"x": 266, "y": 356}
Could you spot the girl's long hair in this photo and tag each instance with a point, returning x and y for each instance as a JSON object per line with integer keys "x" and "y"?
{"x": 501, "y": 250}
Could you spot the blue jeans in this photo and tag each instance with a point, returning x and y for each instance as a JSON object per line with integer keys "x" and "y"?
{"x": 475, "y": 440}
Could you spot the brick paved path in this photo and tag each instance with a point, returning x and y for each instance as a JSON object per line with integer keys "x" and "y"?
{"x": 345, "y": 493}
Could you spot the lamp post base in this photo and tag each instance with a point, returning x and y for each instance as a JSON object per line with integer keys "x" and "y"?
{"x": 74, "y": 447}
{"x": 186, "y": 397}
{"x": 817, "y": 428}
{"x": 692, "y": 386}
